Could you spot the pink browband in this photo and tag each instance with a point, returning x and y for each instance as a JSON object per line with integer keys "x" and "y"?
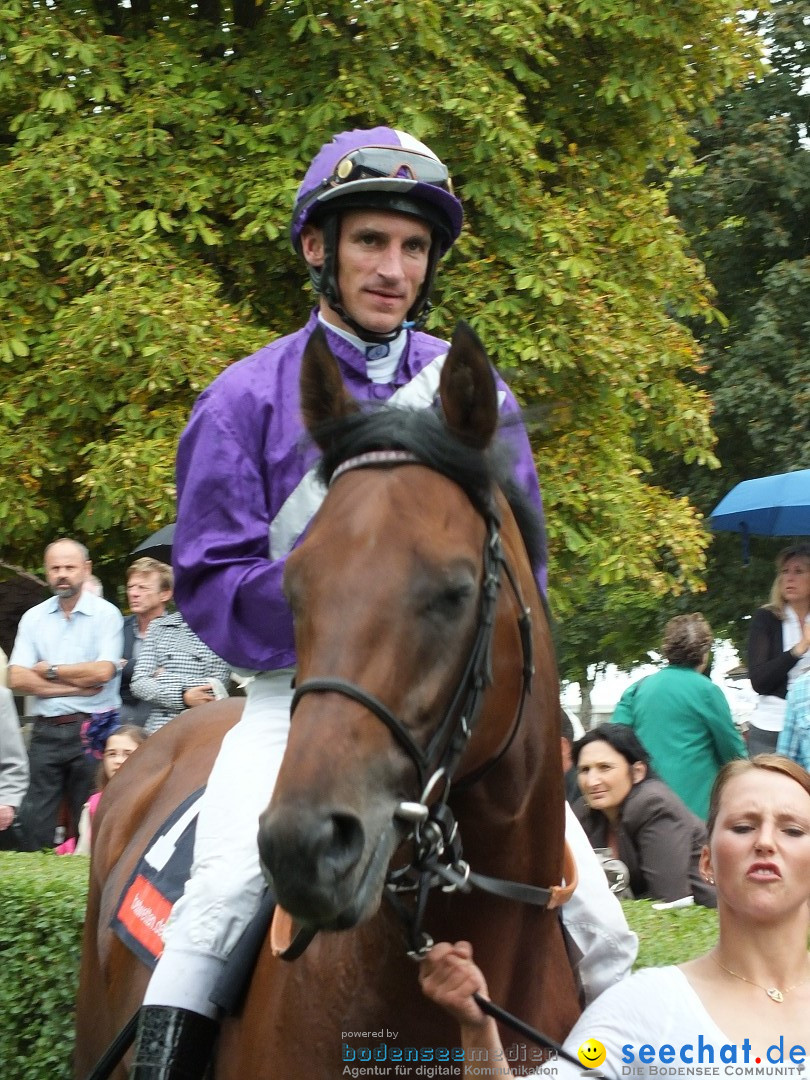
{"x": 373, "y": 458}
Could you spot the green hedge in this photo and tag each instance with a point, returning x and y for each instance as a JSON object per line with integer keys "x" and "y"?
{"x": 41, "y": 917}
{"x": 42, "y": 899}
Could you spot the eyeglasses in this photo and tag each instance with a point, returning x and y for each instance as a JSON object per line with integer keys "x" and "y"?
{"x": 391, "y": 161}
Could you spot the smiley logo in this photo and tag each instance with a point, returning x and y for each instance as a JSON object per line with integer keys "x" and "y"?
{"x": 591, "y": 1053}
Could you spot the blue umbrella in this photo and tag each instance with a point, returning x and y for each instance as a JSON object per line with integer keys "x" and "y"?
{"x": 770, "y": 506}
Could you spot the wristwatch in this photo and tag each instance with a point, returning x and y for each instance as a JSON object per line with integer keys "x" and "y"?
{"x": 52, "y": 673}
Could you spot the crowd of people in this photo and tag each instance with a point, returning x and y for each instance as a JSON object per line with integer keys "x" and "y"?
{"x": 667, "y": 791}
{"x": 89, "y": 678}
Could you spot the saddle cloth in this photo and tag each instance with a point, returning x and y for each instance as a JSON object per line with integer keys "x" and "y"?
{"x": 157, "y": 883}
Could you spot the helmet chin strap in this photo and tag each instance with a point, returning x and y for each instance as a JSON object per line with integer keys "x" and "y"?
{"x": 373, "y": 337}
{"x": 325, "y": 282}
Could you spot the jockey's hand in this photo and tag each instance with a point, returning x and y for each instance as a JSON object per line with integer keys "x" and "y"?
{"x": 6, "y": 817}
{"x": 449, "y": 977}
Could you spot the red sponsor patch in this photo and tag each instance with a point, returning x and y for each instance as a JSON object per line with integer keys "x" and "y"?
{"x": 157, "y": 883}
{"x": 144, "y": 912}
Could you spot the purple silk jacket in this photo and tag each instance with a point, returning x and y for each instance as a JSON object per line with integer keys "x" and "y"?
{"x": 245, "y": 490}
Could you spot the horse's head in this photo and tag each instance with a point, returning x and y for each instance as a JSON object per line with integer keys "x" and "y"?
{"x": 389, "y": 590}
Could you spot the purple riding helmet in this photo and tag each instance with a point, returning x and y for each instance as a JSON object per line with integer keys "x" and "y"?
{"x": 375, "y": 169}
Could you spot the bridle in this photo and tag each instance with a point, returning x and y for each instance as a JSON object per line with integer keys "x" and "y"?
{"x": 437, "y": 854}
{"x": 439, "y": 759}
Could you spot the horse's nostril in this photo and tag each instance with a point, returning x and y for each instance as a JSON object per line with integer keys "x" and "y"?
{"x": 306, "y": 845}
{"x": 343, "y": 842}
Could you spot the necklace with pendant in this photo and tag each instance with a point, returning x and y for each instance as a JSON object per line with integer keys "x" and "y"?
{"x": 773, "y": 992}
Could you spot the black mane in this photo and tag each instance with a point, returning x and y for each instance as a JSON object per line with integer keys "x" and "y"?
{"x": 422, "y": 432}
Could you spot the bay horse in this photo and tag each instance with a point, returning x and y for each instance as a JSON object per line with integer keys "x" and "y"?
{"x": 426, "y": 709}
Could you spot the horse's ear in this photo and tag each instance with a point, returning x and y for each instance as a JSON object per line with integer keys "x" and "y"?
{"x": 324, "y": 396}
{"x": 467, "y": 390}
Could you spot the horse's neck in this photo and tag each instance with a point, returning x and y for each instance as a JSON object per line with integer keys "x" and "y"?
{"x": 521, "y": 804}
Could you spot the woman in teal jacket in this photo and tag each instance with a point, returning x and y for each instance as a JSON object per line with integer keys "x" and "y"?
{"x": 681, "y": 717}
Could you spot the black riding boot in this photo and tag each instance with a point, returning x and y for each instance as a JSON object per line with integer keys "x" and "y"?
{"x": 172, "y": 1044}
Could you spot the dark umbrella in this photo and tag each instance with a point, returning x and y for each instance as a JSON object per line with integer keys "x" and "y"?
{"x": 19, "y": 591}
{"x": 157, "y": 546}
{"x": 776, "y": 505}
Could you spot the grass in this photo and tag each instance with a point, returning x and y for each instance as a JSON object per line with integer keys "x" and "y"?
{"x": 670, "y": 937}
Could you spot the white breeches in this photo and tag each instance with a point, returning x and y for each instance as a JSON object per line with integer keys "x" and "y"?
{"x": 226, "y": 882}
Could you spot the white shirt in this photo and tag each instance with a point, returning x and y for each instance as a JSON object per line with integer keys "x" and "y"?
{"x": 792, "y": 632}
{"x": 381, "y": 361}
{"x": 595, "y": 920}
{"x": 94, "y": 631}
{"x": 658, "y": 1008}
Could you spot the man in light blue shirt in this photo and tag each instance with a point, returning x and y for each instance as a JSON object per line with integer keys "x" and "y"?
{"x": 66, "y": 655}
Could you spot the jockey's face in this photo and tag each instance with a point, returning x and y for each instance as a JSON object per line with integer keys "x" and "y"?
{"x": 382, "y": 262}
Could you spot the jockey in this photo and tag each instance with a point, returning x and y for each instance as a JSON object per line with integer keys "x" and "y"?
{"x": 372, "y": 218}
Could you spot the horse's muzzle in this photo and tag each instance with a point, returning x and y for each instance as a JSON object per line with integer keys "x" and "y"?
{"x": 321, "y": 864}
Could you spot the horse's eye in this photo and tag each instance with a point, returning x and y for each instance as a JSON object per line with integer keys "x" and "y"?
{"x": 449, "y": 602}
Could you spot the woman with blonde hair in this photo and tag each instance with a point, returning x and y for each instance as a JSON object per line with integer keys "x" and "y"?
{"x": 748, "y": 993}
{"x": 779, "y": 646}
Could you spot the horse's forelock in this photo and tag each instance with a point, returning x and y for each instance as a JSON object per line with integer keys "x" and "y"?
{"x": 422, "y": 432}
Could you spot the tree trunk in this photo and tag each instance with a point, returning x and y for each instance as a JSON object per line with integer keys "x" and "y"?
{"x": 245, "y": 13}
{"x": 586, "y": 708}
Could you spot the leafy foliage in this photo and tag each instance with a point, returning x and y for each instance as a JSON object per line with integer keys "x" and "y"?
{"x": 746, "y": 208}
{"x": 594, "y": 637}
{"x": 149, "y": 157}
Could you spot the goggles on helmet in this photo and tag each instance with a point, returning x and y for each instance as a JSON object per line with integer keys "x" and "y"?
{"x": 379, "y": 164}
{"x": 390, "y": 161}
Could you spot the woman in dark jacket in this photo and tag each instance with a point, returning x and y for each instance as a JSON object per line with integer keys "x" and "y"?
{"x": 628, "y": 810}
{"x": 779, "y": 646}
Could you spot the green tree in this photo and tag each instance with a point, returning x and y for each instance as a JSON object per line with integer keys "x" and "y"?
{"x": 149, "y": 156}
{"x": 593, "y": 637}
{"x": 746, "y": 209}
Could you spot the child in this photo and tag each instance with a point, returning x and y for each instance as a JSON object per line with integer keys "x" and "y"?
{"x": 120, "y": 744}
